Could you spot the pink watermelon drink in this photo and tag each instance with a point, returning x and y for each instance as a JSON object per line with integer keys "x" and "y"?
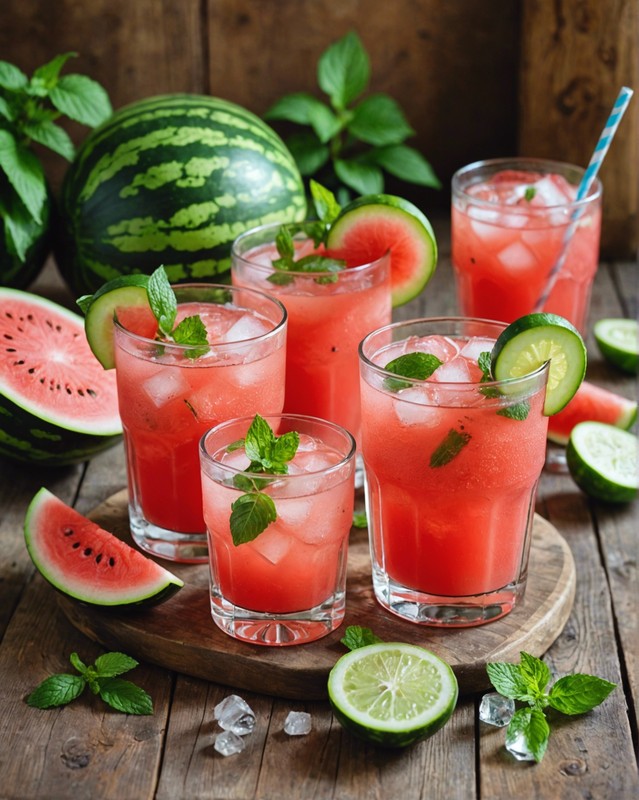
{"x": 170, "y": 394}
{"x": 328, "y": 315}
{"x": 286, "y": 583}
{"x": 452, "y": 463}
{"x": 509, "y": 220}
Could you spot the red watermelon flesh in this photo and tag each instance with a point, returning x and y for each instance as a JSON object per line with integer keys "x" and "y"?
{"x": 591, "y": 403}
{"x": 86, "y": 562}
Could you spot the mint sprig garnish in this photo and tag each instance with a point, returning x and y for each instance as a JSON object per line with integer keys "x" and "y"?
{"x": 269, "y": 454}
{"x": 527, "y": 682}
{"x": 356, "y": 636}
{"x": 190, "y": 331}
{"x": 418, "y": 366}
{"x": 452, "y": 445}
{"x": 529, "y": 193}
{"x": 102, "y": 679}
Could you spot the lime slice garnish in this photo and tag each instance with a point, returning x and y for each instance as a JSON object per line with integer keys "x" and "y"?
{"x": 529, "y": 342}
{"x": 602, "y": 460}
{"x": 392, "y": 694}
{"x": 126, "y": 291}
{"x": 618, "y": 340}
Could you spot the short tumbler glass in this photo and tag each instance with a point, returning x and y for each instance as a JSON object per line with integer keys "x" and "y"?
{"x": 286, "y": 585}
{"x": 452, "y": 465}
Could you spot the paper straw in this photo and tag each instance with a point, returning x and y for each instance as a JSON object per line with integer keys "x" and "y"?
{"x": 621, "y": 104}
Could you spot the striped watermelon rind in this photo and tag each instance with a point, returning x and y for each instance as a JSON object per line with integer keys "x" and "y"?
{"x": 173, "y": 180}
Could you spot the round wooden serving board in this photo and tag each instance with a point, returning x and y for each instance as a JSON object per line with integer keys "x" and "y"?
{"x": 180, "y": 634}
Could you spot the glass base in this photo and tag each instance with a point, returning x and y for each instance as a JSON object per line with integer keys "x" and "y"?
{"x": 187, "y": 548}
{"x": 443, "y": 611}
{"x": 258, "y": 627}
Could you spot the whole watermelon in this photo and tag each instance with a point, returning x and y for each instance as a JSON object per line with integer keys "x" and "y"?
{"x": 171, "y": 180}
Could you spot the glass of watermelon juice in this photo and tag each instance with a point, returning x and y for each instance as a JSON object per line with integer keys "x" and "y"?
{"x": 169, "y": 396}
{"x": 452, "y": 464}
{"x": 509, "y": 221}
{"x": 287, "y": 585}
{"x": 328, "y": 315}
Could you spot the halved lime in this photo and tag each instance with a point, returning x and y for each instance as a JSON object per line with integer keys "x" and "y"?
{"x": 529, "y": 342}
{"x": 375, "y": 224}
{"x": 126, "y": 291}
{"x": 602, "y": 460}
{"x": 392, "y": 694}
{"x": 618, "y": 340}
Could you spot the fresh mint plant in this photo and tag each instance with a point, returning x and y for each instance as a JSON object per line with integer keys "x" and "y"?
{"x": 527, "y": 682}
{"x": 29, "y": 111}
{"x": 190, "y": 331}
{"x": 356, "y": 636}
{"x": 418, "y": 366}
{"x": 350, "y": 139}
{"x": 269, "y": 454}
{"x": 101, "y": 678}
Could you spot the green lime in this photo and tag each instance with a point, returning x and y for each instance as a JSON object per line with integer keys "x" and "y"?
{"x": 529, "y": 342}
{"x": 375, "y": 224}
{"x": 602, "y": 460}
{"x": 126, "y": 291}
{"x": 618, "y": 340}
{"x": 392, "y": 694}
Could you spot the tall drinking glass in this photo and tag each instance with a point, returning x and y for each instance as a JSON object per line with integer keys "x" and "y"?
{"x": 169, "y": 395}
{"x": 511, "y": 219}
{"x": 452, "y": 464}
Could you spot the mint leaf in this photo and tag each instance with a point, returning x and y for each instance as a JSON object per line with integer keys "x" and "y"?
{"x": 309, "y": 153}
{"x": 378, "y": 120}
{"x": 343, "y": 70}
{"x": 530, "y": 193}
{"x": 24, "y": 172}
{"x": 576, "y": 694}
{"x": 285, "y": 447}
{"x": 362, "y": 177}
{"x": 418, "y": 366}
{"x": 535, "y": 672}
{"x": 125, "y": 696}
{"x": 508, "y": 680}
{"x": 11, "y": 77}
{"x": 295, "y": 107}
{"x": 81, "y": 99}
{"x": 325, "y": 202}
{"x": 518, "y": 411}
{"x": 360, "y": 520}
{"x": 82, "y": 668}
{"x": 111, "y": 664}
{"x": 484, "y": 362}
{"x": 57, "y": 690}
{"x": 259, "y": 440}
{"x": 405, "y": 163}
{"x": 162, "y": 300}
{"x": 531, "y": 725}
{"x": 191, "y": 331}
{"x": 452, "y": 445}
{"x": 251, "y": 514}
{"x": 47, "y": 74}
{"x": 355, "y": 636}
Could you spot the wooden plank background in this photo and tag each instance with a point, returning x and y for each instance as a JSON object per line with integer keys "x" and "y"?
{"x": 476, "y": 79}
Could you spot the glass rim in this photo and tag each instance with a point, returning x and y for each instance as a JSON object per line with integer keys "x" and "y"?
{"x": 544, "y": 165}
{"x": 344, "y": 460}
{"x": 359, "y": 268}
{"x": 220, "y": 346}
{"x": 444, "y": 385}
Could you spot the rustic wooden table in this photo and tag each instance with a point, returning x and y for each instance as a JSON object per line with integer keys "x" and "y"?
{"x": 87, "y": 751}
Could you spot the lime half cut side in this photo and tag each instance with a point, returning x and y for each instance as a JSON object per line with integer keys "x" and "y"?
{"x": 531, "y": 341}
{"x": 392, "y": 694}
{"x": 618, "y": 341}
{"x": 602, "y": 460}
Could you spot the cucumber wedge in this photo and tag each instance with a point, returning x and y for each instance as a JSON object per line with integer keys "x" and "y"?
{"x": 602, "y": 460}
{"x": 529, "y": 342}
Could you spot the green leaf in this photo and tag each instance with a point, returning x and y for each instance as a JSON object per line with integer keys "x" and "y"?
{"x": 325, "y": 202}
{"x": 309, "y": 153}
{"x": 295, "y": 107}
{"x": 325, "y": 123}
{"x": 56, "y": 690}
{"x": 11, "y": 77}
{"x": 48, "y": 73}
{"x": 378, "y": 120}
{"x": 576, "y": 694}
{"x": 52, "y": 136}
{"x": 360, "y": 520}
{"x": 532, "y": 724}
{"x": 343, "y": 70}
{"x": 363, "y": 178}
{"x": 286, "y": 446}
{"x": 518, "y": 411}
{"x": 356, "y": 636}
{"x": 484, "y": 364}
{"x": 251, "y": 514}
{"x": 77, "y": 662}
{"x": 192, "y": 331}
{"x": 24, "y": 173}
{"x": 407, "y": 164}
{"x": 534, "y": 671}
{"x": 84, "y": 302}
{"x": 508, "y": 680}
{"x": 162, "y": 300}
{"x": 259, "y": 440}
{"x": 418, "y": 366}
{"x": 111, "y": 664}
{"x": 530, "y": 192}
{"x": 21, "y": 230}
{"x": 452, "y": 445}
{"x": 81, "y": 99}
{"x": 5, "y": 110}
{"x": 125, "y": 696}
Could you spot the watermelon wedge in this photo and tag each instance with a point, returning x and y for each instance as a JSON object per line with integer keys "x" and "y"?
{"x": 85, "y": 562}
{"x": 592, "y": 404}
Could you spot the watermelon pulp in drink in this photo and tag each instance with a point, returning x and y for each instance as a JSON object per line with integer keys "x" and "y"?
{"x": 508, "y": 230}
{"x": 168, "y": 400}
{"x": 452, "y": 465}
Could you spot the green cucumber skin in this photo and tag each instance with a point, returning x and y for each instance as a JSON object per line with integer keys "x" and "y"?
{"x": 626, "y": 360}
{"x": 589, "y": 479}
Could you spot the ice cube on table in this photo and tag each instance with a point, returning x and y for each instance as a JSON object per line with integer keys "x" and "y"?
{"x": 517, "y": 746}
{"x": 235, "y": 715}
{"x": 517, "y": 257}
{"x": 272, "y": 545}
{"x": 495, "y": 709}
{"x": 246, "y": 327}
{"x": 166, "y": 385}
{"x": 228, "y": 743}
{"x": 298, "y": 723}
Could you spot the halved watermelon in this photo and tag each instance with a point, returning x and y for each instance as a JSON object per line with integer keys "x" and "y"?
{"x": 592, "y": 404}
{"x": 84, "y": 561}
{"x": 371, "y": 225}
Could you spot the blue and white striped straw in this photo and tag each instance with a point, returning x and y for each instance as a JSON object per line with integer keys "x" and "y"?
{"x": 607, "y": 135}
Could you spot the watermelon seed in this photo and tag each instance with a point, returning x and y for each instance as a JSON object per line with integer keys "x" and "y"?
{"x": 75, "y": 545}
{"x": 112, "y": 562}
{"x": 91, "y": 393}
{"x": 88, "y": 551}
{"x": 98, "y": 558}
{"x": 10, "y": 349}
{"x": 18, "y": 363}
{"x": 68, "y": 531}
{"x": 31, "y": 370}
{"x": 7, "y": 336}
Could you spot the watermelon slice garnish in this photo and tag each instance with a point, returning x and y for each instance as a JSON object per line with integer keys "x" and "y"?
{"x": 373, "y": 225}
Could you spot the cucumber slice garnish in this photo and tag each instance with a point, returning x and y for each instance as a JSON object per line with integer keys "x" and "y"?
{"x": 529, "y": 342}
{"x": 126, "y": 291}
{"x": 602, "y": 460}
{"x": 618, "y": 341}
{"x": 392, "y": 694}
